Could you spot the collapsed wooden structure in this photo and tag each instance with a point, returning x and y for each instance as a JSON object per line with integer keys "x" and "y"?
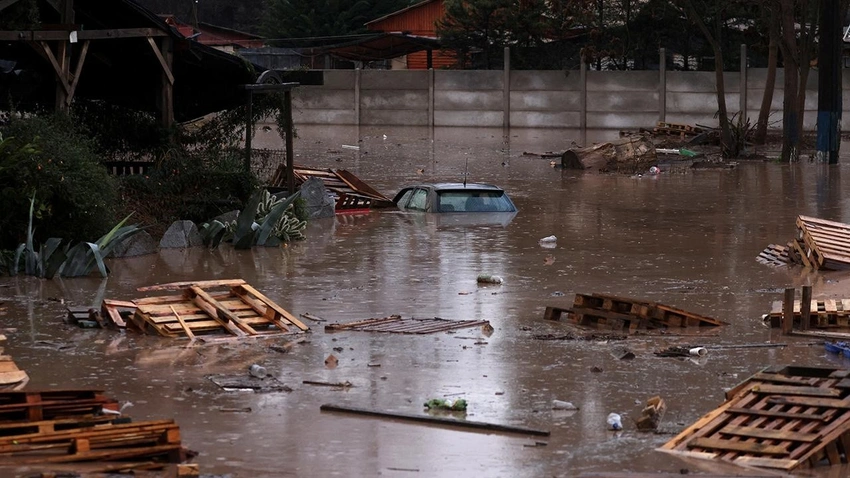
{"x": 628, "y": 315}
{"x": 819, "y": 244}
{"x": 782, "y": 418}
{"x": 395, "y": 324}
{"x": 350, "y": 192}
{"x": 210, "y": 308}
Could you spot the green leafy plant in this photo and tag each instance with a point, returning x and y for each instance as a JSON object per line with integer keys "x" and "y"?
{"x": 264, "y": 221}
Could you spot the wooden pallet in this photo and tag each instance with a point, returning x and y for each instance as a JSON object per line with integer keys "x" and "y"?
{"x": 775, "y": 255}
{"x": 351, "y": 192}
{"x": 627, "y": 315}
{"x": 11, "y": 377}
{"x": 825, "y": 314}
{"x": 676, "y": 129}
{"x": 823, "y": 244}
{"x": 780, "y": 418}
{"x": 395, "y": 324}
{"x": 222, "y": 307}
{"x": 37, "y": 405}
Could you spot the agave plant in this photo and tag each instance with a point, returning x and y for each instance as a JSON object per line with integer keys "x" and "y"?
{"x": 72, "y": 260}
{"x": 265, "y": 221}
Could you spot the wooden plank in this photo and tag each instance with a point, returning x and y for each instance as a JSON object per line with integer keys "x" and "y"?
{"x": 269, "y": 303}
{"x": 13, "y": 377}
{"x": 466, "y": 424}
{"x": 788, "y": 311}
{"x": 795, "y": 390}
{"x": 739, "y": 446}
{"x": 208, "y": 284}
{"x": 217, "y": 312}
{"x": 782, "y": 464}
{"x": 762, "y": 433}
{"x": 810, "y": 402}
{"x": 773, "y": 414}
{"x": 266, "y": 313}
{"x": 186, "y": 328}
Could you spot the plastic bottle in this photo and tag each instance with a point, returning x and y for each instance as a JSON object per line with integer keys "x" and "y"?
{"x": 615, "y": 421}
{"x": 257, "y": 371}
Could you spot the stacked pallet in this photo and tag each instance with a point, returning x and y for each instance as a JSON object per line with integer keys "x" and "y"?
{"x": 50, "y": 429}
{"x": 628, "y": 315}
{"x": 819, "y": 244}
{"x": 782, "y": 418}
{"x": 230, "y": 308}
{"x": 681, "y": 130}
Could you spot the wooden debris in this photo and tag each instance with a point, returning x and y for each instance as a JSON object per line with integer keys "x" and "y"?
{"x": 47, "y": 428}
{"x": 436, "y": 420}
{"x": 351, "y": 192}
{"x": 395, "y": 324}
{"x": 781, "y": 418}
{"x": 818, "y": 244}
{"x": 652, "y": 414}
{"x": 247, "y": 382}
{"x": 676, "y": 129}
{"x": 628, "y": 315}
{"x": 831, "y": 315}
{"x": 630, "y": 155}
{"x": 11, "y": 377}
{"x": 229, "y": 308}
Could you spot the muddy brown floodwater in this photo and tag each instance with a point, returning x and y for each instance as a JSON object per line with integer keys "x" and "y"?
{"x": 685, "y": 239}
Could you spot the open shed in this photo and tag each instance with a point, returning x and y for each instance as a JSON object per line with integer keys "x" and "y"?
{"x": 114, "y": 51}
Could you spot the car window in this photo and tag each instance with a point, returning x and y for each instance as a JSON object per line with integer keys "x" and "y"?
{"x": 475, "y": 201}
{"x": 418, "y": 200}
{"x": 404, "y": 198}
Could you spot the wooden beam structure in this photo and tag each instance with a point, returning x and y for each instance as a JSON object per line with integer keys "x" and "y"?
{"x": 286, "y": 88}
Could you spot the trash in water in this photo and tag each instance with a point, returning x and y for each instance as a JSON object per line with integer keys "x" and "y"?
{"x": 549, "y": 239}
{"x": 488, "y": 279}
{"x": 444, "y": 404}
{"x": 562, "y": 405}
{"x": 698, "y": 351}
{"x": 258, "y": 371}
{"x": 615, "y": 421}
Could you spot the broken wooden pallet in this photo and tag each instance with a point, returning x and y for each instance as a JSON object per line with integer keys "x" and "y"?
{"x": 628, "y": 315}
{"x": 774, "y": 255}
{"x": 36, "y": 405}
{"x": 395, "y": 324}
{"x": 221, "y": 307}
{"x": 351, "y": 192}
{"x": 780, "y": 418}
{"x": 11, "y": 377}
{"x": 824, "y": 314}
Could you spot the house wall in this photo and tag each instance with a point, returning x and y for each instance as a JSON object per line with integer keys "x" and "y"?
{"x": 606, "y": 101}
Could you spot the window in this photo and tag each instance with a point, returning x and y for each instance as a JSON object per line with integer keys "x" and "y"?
{"x": 475, "y": 201}
{"x": 418, "y": 200}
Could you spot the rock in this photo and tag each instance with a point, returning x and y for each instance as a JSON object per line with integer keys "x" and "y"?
{"x": 139, "y": 244}
{"x": 181, "y": 234}
{"x": 319, "y": 203}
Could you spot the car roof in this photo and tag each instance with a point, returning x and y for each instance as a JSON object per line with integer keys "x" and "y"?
{"x": 455, "y": 186}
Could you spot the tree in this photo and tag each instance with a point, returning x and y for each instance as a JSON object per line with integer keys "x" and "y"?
{"x": 798, "y": 50}
{"x": 323, "y": 18}
{"x": 772, "y": 17}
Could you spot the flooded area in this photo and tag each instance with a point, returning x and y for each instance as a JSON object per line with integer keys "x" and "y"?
{"x": 684, "y": 238}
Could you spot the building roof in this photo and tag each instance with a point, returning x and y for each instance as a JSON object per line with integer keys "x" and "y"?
{"x": 382, "y": 46}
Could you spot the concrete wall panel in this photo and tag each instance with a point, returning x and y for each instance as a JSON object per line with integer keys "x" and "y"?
{"x": 622, "y": 101}
{"x": 621, "y": 121}
{"x": 337, "y": 79}
{"x": 394, "y": 80}
{"x": 491, "y": 119}
{"x": 622, "y": 80}
{"x": 329, "y": 117}
{"x": 477, "y": 80}
{"x": 393, "y": 100}
{"x": 528, "y": 119}
{"x": 468, "y": 100}
{"x": 394, "y": 117}
{"x": 317, "y": 98}
{"x": 545, "y": 101}
{"x": 555, "y": 80}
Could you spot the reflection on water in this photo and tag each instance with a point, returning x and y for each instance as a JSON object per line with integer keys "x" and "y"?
{"x": 686, "y": 239}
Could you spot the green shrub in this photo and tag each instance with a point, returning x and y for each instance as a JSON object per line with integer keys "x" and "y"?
{"x": 75, "y": 197}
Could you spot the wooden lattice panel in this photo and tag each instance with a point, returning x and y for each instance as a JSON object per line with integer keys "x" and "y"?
{"x": 395, "y": 324}
{"x": 780, "y": 418}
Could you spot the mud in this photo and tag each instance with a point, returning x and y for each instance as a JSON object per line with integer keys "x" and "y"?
{"x": 686, "y": 239}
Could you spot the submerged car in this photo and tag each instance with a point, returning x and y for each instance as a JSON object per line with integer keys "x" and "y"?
{"x": 454, "y": 197}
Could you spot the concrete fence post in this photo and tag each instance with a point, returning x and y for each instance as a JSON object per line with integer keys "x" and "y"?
{"x": 357, "y": 96}
{"x": 431, "y": 98}
{"x": 743, "y": 96}
{"x": 506, "y": 91}
{"x": 582, "y": 116}
{"x": 662, "y": 85}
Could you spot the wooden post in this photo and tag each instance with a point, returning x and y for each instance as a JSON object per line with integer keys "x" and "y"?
{"x": 582, "y": 115}
{"x": 743, "y": 96}
{"x": 788, "y": 311}
{"x": 506, "y": 91}
{"x": 290, "y": 167}
{"x": 357, "y": 96}
{"x": 430, "y": 99}
{"x": 167, "y": 82}
{"x": 64, "y": 68}
{"x": 662, "y": 85}
{"x": 249, "y": 124}
{"x": 806, "y": 307}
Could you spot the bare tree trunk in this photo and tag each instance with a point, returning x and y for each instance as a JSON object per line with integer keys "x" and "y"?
{"x": 790, "y": 112}
{"x": 770, "y": 81}
{"x": 725, "y": 129}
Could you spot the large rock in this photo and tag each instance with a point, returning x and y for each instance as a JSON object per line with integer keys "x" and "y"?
{"x": 319, "y": 203}
{"x": 138, "y": 244}
{"x": 181, "y": 234}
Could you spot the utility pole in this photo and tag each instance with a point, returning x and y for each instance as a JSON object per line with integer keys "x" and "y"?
{"x": 829, "y": 81}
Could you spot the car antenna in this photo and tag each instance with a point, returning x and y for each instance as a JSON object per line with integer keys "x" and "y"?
{"x": 465, "y": 171}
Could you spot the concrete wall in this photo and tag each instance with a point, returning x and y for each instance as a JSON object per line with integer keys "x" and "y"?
{"x": 600, "y": 100}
